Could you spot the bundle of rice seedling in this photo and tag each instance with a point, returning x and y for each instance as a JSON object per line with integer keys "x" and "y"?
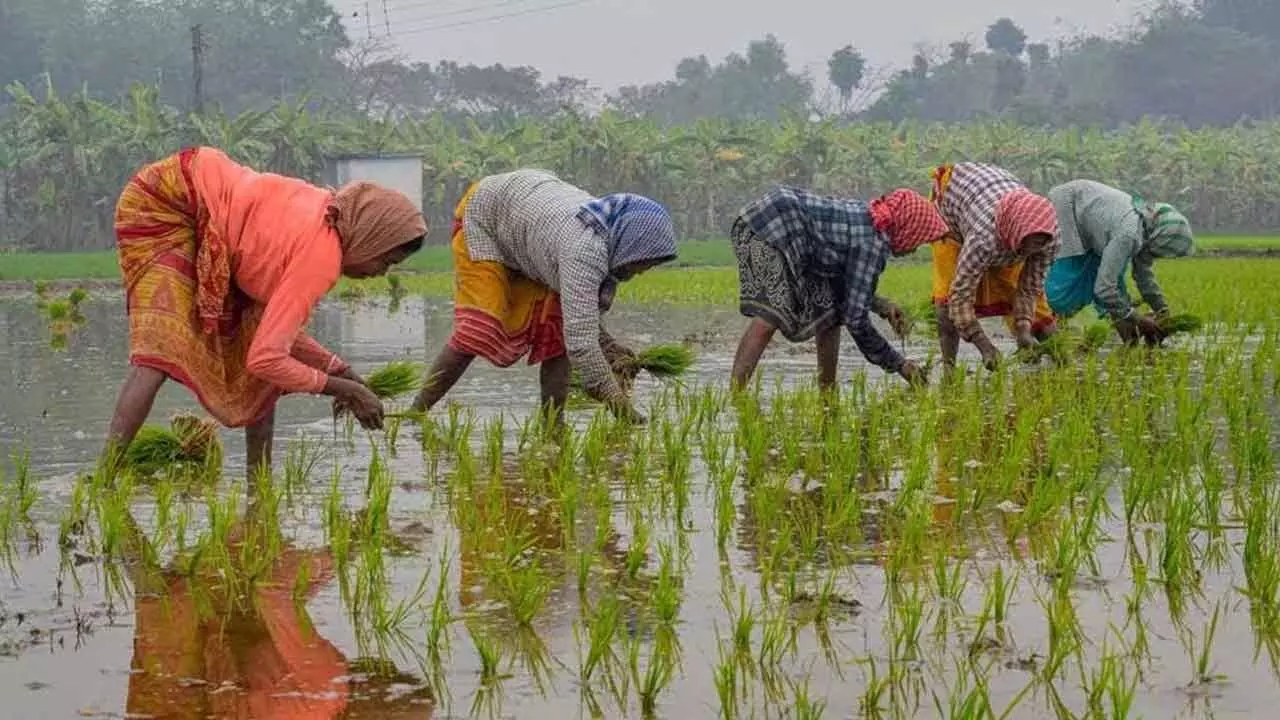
{"x": 190, "y": 440}
{"x": 660, "y": 361}
{"x": 1095, "y": 335}
{"x": 58, "y": 310}
{"x": 1182, "y": 323}
{"x": 1058, "y": 347}
{"x": 396, "y": 379}
{"x": 921, "y": 316}
{"x": 665, "y": 361}
{"x": 197, "y": 436}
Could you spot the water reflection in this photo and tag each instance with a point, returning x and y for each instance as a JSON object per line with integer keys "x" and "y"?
{"x": 239, "y": 642}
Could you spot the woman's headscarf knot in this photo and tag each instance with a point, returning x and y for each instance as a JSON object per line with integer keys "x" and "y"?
{"x": 1020, "y": 214}
{"x": 638, "y": 229}
{"x": 372, "y": 220}
{"x": 908, "y": 219}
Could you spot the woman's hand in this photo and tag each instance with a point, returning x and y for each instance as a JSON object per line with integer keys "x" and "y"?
{"x": 364, "y": 405}
{"x": 913, "y": 374}
{"x": 1150, "y": 330}
{"x": 896, "y": 318}
{"x": 350, "y": 396}
{"x": 1022, "y": 334}
{"x": 990, "y": 355}
{"x": 1128, "y": 330}
{"x": 339, "y": 404}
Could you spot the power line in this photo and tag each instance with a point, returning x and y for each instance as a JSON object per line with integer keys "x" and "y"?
{"x": 492, "y": 18}
{"x": 434, "y": 15}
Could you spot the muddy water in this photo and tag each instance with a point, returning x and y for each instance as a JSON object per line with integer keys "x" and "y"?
{"x": 66, "y": 652}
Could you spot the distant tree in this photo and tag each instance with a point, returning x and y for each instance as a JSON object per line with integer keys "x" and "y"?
{"x": 767, "y": 58}
{"x": 754, "y": 84}
{"x": 1038, "y": 55}
{"x": 845, "y": 70}
{"x": 693, "y": 69}
{"x": 1004, "y": 36}
{"x": 961, "y": 51}
{"x": 1260, "y": 18}
{"x": 1204, "y": 75}
{"x": 919, "y": 66}
{"x": 1011, "y": 79}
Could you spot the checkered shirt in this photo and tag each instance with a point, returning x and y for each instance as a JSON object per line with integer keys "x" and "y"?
{"x": 969, "y": 206}
{"x": 831, "y": 238}
{"x": 528, "y": 220}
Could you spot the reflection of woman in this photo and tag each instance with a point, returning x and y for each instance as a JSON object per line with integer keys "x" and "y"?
{"x": 517, "y": 507}
{"x": 222, "y": 267}
{"x": 199, "y": 652}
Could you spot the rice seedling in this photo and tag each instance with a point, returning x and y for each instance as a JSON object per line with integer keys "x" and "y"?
{"x": 1180, "y": 323}
{"x": 596, "y": 633}
{"x": 190, "y": 440}
{"x": 395, "y": 379}
{"x": 728, "y": 687}
{"x": 396, "y": 292}
{"x": 488, "y": 695}
{"x": 1203, "y": 672}
{"x": 650, "y": 681}
{"x": 664, "y": 362}
{"x": 804, "y": 706}
{"x": 18, "y": 499}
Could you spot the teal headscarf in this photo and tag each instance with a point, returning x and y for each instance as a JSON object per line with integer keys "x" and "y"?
{"x": 1168, "y": 233}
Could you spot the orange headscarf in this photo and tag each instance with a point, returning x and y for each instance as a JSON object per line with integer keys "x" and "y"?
{"x": 372, "y": 220}
{"x": 909, "y": 220}
{"x": 1020, "y": 214}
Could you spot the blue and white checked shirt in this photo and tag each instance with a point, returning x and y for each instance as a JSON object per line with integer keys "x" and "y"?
{"x": 831, "y": 238}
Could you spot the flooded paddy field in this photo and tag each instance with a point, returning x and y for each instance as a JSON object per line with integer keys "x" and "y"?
{"x": 1099, "y": 540}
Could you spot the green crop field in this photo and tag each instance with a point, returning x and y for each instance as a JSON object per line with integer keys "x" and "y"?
{"x": 101, "y": 265}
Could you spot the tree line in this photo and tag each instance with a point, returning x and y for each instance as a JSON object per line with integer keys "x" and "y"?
{"x": 1178, "y": 109}
{"x": 64, "y": 159}
{"x": 1210, "y": 62}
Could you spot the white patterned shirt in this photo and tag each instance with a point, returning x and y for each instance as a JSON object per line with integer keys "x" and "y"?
{"x": 528, "y": 221}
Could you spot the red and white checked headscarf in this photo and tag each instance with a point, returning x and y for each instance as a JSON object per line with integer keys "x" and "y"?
{"x": 908, "y": 219}
{"x": 1020, "y": 214}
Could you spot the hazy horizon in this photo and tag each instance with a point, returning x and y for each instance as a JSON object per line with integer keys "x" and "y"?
{"x": 612, "y": 43}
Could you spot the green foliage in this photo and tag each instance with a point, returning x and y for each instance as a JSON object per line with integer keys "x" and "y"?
{"x": 71, "y": 155}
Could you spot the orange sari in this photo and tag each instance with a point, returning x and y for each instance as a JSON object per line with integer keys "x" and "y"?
{"x": 181, "y": 225}
{"x": 158, "y": 231}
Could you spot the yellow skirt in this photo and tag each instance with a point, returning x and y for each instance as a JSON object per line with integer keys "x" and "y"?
{"x": 996, "y": 290}
{"x": 498, "y": 313}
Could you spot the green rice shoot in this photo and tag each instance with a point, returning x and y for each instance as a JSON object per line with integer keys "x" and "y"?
{"x": 666, "y": 361}
{"x": 1095, "y": 335}
{"x": 1058, "y": 347}
{"x": 1181, "y": 323}
{"x": 396, "y": 379}
{"x": 188, "y": 440}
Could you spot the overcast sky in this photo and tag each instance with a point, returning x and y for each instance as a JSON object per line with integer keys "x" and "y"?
{"x": 618, "y": 42}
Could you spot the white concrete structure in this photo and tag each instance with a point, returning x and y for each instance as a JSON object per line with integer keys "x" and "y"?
{"x": 398, "y": 172}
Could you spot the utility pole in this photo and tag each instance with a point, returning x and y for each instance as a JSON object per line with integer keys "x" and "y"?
{"x": 197, "y": 68}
